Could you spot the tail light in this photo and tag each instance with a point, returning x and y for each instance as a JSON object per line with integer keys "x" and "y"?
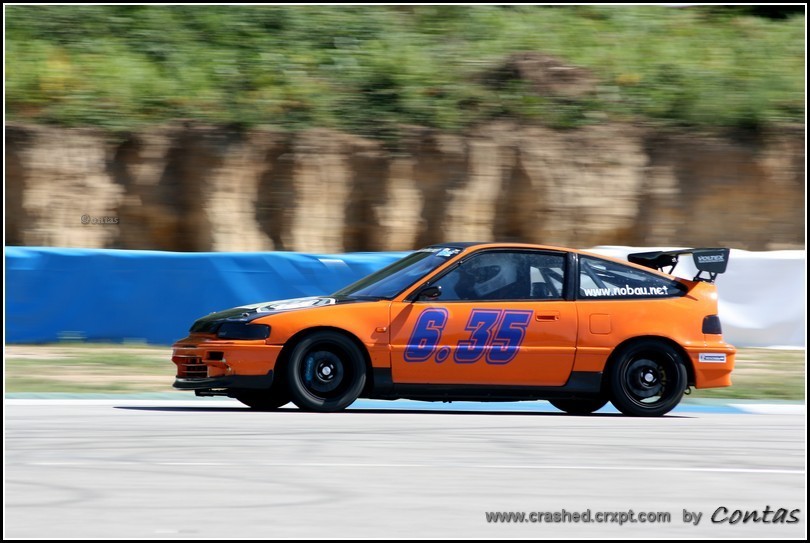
{"x": 711, "y": 325}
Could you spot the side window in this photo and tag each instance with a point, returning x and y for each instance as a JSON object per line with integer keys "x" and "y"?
{"x": 602, "y": 279}
{"x": 505, "y": 275}
{"x": 547, "y": 272}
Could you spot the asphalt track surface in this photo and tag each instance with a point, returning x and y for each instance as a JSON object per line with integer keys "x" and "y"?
{"x": 212, "y": 469}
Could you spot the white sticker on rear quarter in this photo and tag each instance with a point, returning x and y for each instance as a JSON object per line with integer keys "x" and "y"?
{"x": 719, "y": 358}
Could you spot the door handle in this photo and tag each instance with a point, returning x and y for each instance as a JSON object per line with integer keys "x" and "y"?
{"x": 547, "y": 316}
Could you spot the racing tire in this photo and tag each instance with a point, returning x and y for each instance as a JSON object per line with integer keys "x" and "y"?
{"x": 648, "y": 379}
{"x": 579, "y": 407}
{"x": 326, "y": 372}
{"x": 263, "y": 399}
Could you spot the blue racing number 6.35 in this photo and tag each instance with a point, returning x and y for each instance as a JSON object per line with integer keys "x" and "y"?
{"x": 495, "y": 334}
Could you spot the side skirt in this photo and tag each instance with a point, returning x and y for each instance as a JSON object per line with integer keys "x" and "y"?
{"x": 581, "y": 384}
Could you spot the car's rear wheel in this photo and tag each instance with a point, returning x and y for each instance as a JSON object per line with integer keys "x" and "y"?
{"x": 648, "y": 379}
{"x": 326, "y": 372}
{"x": 579, "y": 407}
{"x": 263, "y": 399}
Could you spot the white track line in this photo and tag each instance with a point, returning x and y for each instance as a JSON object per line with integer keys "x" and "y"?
{"x": 770, "y": 408}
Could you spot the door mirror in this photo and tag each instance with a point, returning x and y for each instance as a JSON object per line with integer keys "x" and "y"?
{"x": 429, "y": 293}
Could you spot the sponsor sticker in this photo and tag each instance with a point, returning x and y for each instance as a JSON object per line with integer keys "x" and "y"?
{"x": 448, "y": 252}
{"x": 704, "y": 259}
{"x": 626, "y": 290}
{"x": 718, "y": 358}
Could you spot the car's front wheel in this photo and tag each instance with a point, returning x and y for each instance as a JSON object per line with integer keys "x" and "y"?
{"x": 326, "y": 372}
{"x": 579, "y": 407}
{"x": 648, "y": 379}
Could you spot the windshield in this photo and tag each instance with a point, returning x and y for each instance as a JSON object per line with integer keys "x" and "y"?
{"x": 393, "y": 279}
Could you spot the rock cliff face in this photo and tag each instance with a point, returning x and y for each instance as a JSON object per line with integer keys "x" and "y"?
{"x": 202, "y": 188}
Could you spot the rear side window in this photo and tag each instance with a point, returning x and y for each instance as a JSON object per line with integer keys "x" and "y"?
{"x": 601, "y": 279}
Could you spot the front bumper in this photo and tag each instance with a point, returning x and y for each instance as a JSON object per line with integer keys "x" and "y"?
{"x": 207, "y": 363}
{"x": 225, "y": 382}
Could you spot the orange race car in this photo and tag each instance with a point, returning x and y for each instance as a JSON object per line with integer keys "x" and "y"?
{"x": 477, "y": 321}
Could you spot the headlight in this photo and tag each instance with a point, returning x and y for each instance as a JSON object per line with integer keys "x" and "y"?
{"x": 243, "y": 330}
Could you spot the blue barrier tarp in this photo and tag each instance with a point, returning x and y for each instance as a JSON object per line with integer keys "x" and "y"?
{"x": 154, "y": 296}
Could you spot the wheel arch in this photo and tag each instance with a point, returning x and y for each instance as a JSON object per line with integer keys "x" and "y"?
{"x": 614, "y": 357}
{"x": 289, "y": 345}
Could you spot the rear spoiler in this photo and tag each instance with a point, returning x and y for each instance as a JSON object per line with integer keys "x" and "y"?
{"x": 711, "y": 261}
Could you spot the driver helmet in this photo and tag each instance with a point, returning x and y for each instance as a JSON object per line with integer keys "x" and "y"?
{"x": 492, "y": 272}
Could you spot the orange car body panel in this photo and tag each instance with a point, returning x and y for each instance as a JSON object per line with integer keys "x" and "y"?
{"x": 561, "y": 336}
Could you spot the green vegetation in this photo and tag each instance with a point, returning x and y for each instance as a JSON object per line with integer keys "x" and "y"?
{"x": 762, "y": 374}
{"x": 371, "y": 69}
{"x": 88, "y": 368}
